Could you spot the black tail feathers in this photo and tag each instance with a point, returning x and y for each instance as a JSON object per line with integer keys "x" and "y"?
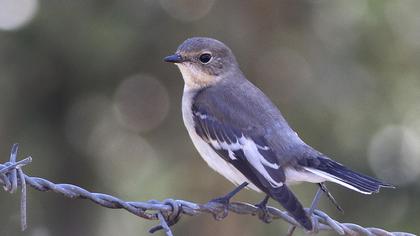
{"x": 288, "y": 200}
{"x": 345, "y": 176}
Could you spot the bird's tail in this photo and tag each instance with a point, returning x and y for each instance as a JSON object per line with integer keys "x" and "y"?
{"x": 288, "y": 200}
{"x": 335, "y": 172}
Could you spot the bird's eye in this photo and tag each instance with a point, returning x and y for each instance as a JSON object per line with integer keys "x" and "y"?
{"x": 205, "y": 58}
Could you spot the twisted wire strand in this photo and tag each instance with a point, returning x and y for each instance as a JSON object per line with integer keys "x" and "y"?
{"x": 169, "y": 211}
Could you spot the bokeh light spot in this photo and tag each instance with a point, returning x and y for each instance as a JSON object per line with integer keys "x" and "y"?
{"x": 82, "y": 116}
{"x": 14, "y": 14}
{"x": 112, "y": 144}
{"x": 394, "y": 154}
{"x": 93, "y": 129}
{"x": 141, "y": 103}
{"x": 119, "y": 151}
{"x": 187, "y": 10}
{"x": 40, "y": 231}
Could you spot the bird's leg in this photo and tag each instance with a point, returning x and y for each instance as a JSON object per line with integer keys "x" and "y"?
{"x": 330, "y": 196}
{"x": 263, "y": 213}
{"x": 224, "y": 201}
{"x": 315, "y": 201}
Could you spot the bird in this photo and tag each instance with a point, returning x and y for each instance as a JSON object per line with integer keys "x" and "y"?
{"x": 243, "y": 136}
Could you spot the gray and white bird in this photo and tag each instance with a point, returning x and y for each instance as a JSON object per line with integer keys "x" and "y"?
{"x": 242, "y": 135}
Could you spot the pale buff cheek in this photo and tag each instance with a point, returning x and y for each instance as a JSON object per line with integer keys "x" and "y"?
{"x": 195, "y": 78}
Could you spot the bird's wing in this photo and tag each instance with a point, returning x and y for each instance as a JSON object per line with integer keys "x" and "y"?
{"x": 243, "y": 146}
{"x": 236, "y": 133}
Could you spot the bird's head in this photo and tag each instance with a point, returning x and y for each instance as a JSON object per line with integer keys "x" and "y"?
{"x": 203, "y": 61}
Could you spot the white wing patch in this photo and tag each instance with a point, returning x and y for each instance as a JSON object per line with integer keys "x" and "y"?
{"x": 226, "y": 146}
{"x": 250, "y": 150}
{"x": 254, "y": 157}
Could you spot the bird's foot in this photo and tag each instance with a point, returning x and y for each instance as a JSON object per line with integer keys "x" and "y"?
{"x": 263, "y": 213}
{"x": 220, "y": 205}
{"x": 221, "y": 210}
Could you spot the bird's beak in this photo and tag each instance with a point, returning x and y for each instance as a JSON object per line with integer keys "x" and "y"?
{"x": 176, "y": 58}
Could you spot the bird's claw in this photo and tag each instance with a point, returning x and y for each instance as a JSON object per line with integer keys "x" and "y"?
{"x": 220, "y": 207}
{"x": 263, "y": 213}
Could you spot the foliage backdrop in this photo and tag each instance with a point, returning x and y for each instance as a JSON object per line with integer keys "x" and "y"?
{"x": 84, "y": 90}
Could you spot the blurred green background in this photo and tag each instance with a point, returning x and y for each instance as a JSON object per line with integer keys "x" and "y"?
{"x": 84, "y": 91}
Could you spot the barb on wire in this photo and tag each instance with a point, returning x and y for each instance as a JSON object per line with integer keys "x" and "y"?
{"x": 167, "y": 212}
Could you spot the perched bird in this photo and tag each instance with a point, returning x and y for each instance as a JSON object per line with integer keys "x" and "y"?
{"x": 242, "y": 135}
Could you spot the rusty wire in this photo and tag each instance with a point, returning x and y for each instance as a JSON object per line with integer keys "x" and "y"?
{"x": 169, "y": 211}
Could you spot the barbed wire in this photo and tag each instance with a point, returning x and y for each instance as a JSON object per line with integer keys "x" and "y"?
{"x": 168, "y": 212}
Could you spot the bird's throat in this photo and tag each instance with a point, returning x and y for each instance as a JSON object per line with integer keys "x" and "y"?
{"x": 196, "y": 79}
